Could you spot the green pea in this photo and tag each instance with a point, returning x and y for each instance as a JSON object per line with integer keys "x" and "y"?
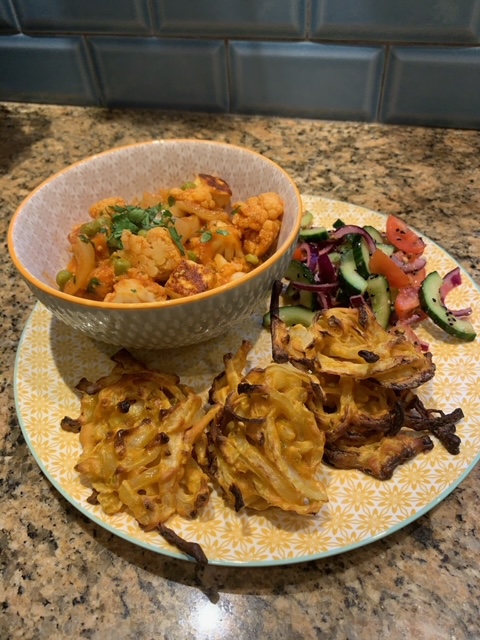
{"x": 136, "y": 215}
{"x": 63, "y": 277}
{"x": 188, "y": 185}
{"x": 121, "y": 266}
{"x": 105, "y": 222}
{"x": 143, "y": 233}
{"x": 91, "y": 229}
{"x": 252, "y": 259}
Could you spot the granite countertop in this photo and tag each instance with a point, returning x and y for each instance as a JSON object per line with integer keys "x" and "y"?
{"x": 64, "y": 576}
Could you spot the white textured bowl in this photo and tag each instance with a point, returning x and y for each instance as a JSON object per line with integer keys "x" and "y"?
{"x": 37, "y": 239}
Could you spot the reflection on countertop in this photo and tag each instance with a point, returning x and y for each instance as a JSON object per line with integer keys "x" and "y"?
{"x": 64, "y": 576}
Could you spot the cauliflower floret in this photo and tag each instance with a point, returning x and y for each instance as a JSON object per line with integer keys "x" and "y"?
{"x": 200, "y": 195}
{"x": 258, "y": 243}
{"x": 259, "y": 221}
{"x": 190, "y": 278}
{"x": 156, "y": 254}
{"x": 102, "y": 207}
{"x": 216, "y": 238}
{"x": 130, "y": 290}
{"x": 227, "y": 271}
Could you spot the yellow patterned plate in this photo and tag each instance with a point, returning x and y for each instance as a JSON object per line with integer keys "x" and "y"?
{"x": 52, "y": 358}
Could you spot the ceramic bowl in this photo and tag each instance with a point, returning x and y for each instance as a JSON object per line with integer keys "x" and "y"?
{"x": 38, "y": 244}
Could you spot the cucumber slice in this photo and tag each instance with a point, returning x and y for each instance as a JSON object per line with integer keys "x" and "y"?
{"x": 301, "y": 297}
{"x": 380, "y": 299}
{"x": 315, "y": 234}
{"x": 299, "y": 272}
{"x": 352, "y": 281}
{"x": 431, "y": 303}
{"x": 307, "y": 219}
{"x": 375, "y": 233}
{"x": 291, "y": 316}
{"x": 361, "y": 256}
{"x": 388, "y": 249}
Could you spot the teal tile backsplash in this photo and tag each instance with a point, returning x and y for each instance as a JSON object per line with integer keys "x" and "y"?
{"x": 306, "y": 79}
{"x": 52, "y": 70}
{"x": 8, "y": 24}
{"x": 440, "y": 86}
{"x": 413, "y": 61}
{"x": 130, "y": 17}
{"x": 432, "y": 21}
{"x": 175, "y": 74}
{"x": 246, "y": 18}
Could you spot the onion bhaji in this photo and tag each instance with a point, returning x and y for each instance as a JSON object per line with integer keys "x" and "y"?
{"x": 142, "y": 432}
{"x": 265, "y": 445}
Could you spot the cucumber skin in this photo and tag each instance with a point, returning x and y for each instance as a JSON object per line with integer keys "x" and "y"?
{"x": 351, "y": 281}
{"x": 298, "y": 271}
{"x": 381, "y": 310}
{"x": 359, "y": 248}
{"x": 314, "y": 234}
{"x": 430, "y": 302}
{"x": 291, "y": 316}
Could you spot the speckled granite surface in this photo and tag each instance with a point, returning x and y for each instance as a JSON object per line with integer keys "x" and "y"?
{"x": 63, "y": 576}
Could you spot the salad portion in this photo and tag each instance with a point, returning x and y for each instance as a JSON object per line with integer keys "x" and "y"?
{"x": 350, "y": 265}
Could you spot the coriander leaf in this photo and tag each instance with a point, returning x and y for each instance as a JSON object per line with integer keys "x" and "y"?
{"x": 177, "y": 239}
{"x": 223, "y": 232}
{"x": 94, "y": 282}
{"x": 206, "y": 236}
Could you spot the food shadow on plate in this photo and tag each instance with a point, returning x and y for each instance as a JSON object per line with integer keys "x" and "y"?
{"x": 77, "y": 356}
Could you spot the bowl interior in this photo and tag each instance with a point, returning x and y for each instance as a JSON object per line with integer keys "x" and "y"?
{"x": 38, "y": 236}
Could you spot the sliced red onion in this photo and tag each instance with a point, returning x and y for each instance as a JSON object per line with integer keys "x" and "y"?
{"x": 357, "y": 301}
{"x": 325, "y": 269}
{"x": 316, "y": 286}
{"x": 408, "y": 267}
{"x": 450, "y": 281}
{"x": 324, "y": 300}
{"x": 353, "y": 228}
{"x": 461, "y": 313}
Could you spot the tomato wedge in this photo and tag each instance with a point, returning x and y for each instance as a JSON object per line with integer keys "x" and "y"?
{"x": 417, "y": 277}
{"x": 382, "y": 264}
{"x": 402, "y": 237}
{"x": 406, "y": 302}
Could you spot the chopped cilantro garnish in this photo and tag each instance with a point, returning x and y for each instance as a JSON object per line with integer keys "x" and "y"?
{"x": 84, "y": 238}
{"x": 94, "y": 282}
{"x": 188, "y": 185}
{"x": 223, "y": 232}
{"x": 206, "y": 236}
{"x": 138, "y": 221}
